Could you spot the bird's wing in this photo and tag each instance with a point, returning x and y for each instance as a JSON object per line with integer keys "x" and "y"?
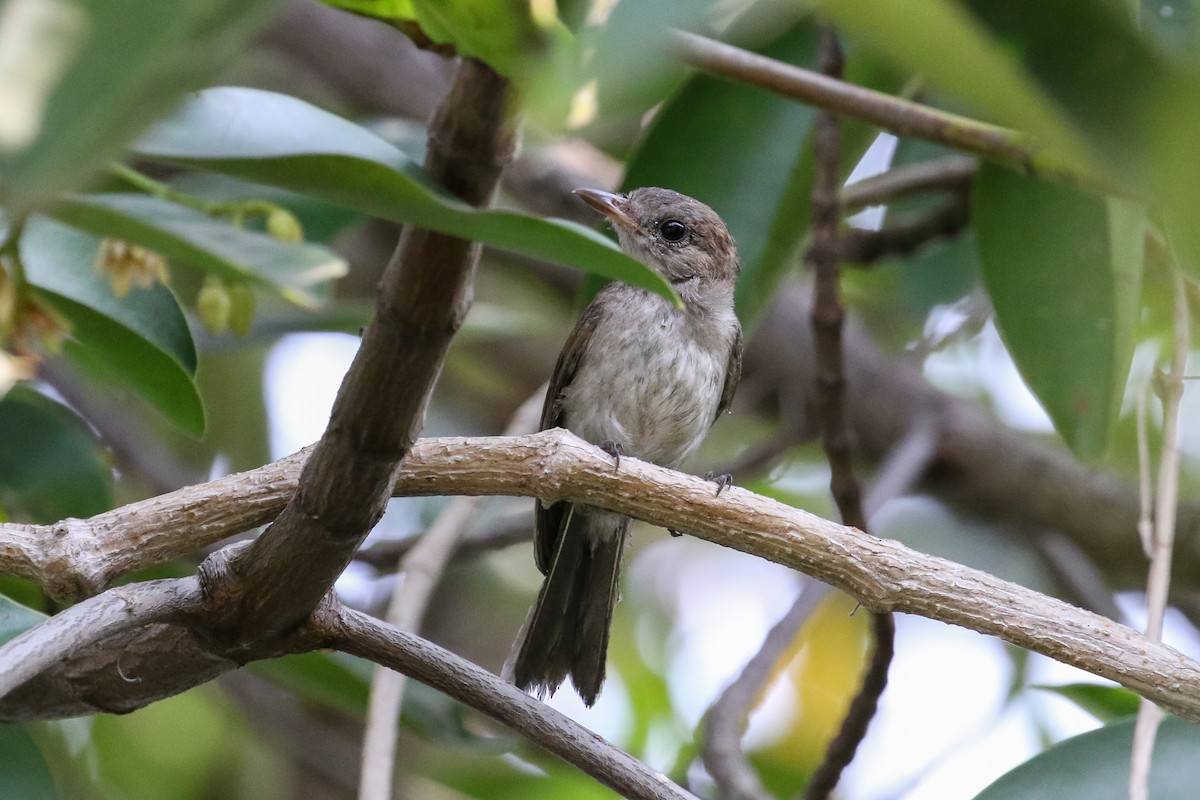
{"x": 549, "y": 520}
{"x": 733, "y": 373}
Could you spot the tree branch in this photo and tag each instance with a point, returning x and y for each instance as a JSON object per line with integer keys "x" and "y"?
{"x": 424, "y": 295}
{"x": 1013, "y": 148}
{"x": 882, "y": 574}
{"x": 364, "y": 636}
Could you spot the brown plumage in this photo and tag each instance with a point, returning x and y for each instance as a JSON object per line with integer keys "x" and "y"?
{"x": 640, "y": 378}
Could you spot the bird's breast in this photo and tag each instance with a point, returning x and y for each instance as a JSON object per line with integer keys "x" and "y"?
{"x": 651, "y": 380}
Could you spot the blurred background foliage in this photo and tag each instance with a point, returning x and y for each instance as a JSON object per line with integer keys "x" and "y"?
{"x": 184, "y": 270}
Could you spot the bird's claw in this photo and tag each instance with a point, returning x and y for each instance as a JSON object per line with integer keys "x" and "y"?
{"x": 674, "y": 532}
{"x": 723, "y": 481}
{"x": 614, "y": 449}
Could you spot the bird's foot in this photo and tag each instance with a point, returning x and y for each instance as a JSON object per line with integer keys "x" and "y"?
{"x": 614, "y": 449}
{"x": 674, "y": 532}
{"x": 723, "y": 481}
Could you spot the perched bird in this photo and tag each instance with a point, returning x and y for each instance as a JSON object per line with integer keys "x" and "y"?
{"x": 638, "y": 377}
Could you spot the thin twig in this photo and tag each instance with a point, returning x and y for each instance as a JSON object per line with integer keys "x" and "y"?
{"x": 364, "y": 636}
{"x": 828, "y": 319}
{"x": 1166, "y": 500}
{"x": 901, "y": 236}
{"x": 952, "y": 174}
{"x": 419, "y": 572}
{"x": 728, "y": 717}
{"x": 509, "y": 529}
{"x": 901, "y": 117}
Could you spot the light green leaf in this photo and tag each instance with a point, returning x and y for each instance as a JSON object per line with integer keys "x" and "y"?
{"x": 15, "y": 619}
{"x": 280, "y": 141}
{"x": 51, "y": 466}
{"x": 1095, "y": 766}
{"x": 190, "y": 237}
{"x": 1105, "y": 703}
{"x": 1048, "y": 265}
{"x": 141, "y": 341}
{"x": 82, "y": 77}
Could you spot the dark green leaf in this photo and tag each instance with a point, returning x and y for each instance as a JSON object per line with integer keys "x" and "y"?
{"x": 280, "y": 141}
{"x": 95, "y": 72}
{"x": 1048, "y": 264}
{"x": 190, "y": 237}
{"x": 51, "y": 466}
{"x": 24, "y": 772}
{"x": 1105, "y": 703}
{"x": 1095, "y": 766}
{"x": 141, "y": 341}
{"x": 15, "y": 619}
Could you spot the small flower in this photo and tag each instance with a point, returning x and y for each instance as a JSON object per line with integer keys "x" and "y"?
{"x": 127, "y": 265}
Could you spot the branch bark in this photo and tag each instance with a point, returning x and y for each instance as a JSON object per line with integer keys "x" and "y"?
{"x": 423, "y": 297}
{"x": 882, "y": 574}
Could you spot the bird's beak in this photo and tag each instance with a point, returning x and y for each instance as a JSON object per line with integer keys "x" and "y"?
{"x": 610, "y": 205}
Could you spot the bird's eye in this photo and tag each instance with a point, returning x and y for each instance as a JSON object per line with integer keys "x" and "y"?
{"x": 672, "y": 230}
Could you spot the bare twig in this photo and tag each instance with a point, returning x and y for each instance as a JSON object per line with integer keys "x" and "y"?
{"x": 901, "y": 117}
{"x": 953, "y": 174}
{"x": 366, "y": 637}
{"x": 511, "y": 528}
{"x": 828, "y": 319}
{"x": 1166, "y": 499}
{"x": 419, "y": 573}
{"x": 901, "y": 237}
{"x": 727, "y": 718}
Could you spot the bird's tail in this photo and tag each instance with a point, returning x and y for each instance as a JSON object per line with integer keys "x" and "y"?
{"x": 568, "y": 627}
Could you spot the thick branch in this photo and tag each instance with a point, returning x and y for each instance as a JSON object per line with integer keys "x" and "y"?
{"x": 423, "y": 297}
{"x": 882, "y": 574}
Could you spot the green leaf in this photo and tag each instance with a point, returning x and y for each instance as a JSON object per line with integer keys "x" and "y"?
{"x": 331, "y": 679}
{"x": 1049, "y": 266}
{"x": 697, "y": 145}
{"x": 191, "y": 237}
{"x": 1105, "y": 703}
{"x": 390, "y": 10}
{"x": 24, "y": 772}
{"x": 51, "y": 466}
{"x": 283, "y": 142}
{"x": 15, "y": 619}
{"x": 141, "y": 341}
{"x": 85, "y": 76}
{"x": 1095, "y": 766}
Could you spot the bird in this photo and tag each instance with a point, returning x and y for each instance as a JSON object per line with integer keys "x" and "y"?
{"x": 639, "y": 377}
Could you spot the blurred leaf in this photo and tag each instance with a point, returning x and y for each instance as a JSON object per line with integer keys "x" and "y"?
{"x": 391, "y": 10}
{"x": 698, "y": 145}
{"x": 1105, "y": 703}
{"x": 1048, "y": 264}
{"x": 823, "y": 665}
{"x": 218, "y": 246}
{"x": 182, "y": 747}
{"x": 15, "y": 619}
{"x": 1095, "y": 766}
{"x": 141, "y": 341}
{"x": 81, "y": 77}
{"x": 280, "y": 141}
{"x": 326, "y": 678}
{"x": 24, "y": 772}
{"x": 500, "y": 33}
{"x": 51, "y": 466}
